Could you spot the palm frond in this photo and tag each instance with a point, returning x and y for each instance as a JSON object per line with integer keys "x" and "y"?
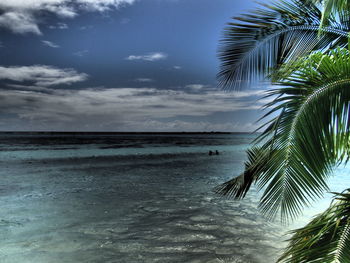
{"x": 312, "y": 136}
{"x": 239, "y": 186}
{"x": 308, "y": 138}
{"x": 332, "y": 8}
{"x": 326, "y": 239}
{"x": 261, "y": 41}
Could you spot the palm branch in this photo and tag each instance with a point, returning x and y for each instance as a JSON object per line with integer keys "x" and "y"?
{"x": 256, "y": 43}
{"x": 326, "y": 239}
{"x": 308, "y": 137}
{"x": 331, "y": 8}
{"x": 240, "y": 185}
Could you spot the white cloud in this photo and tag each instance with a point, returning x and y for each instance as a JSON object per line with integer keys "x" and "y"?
{"x": 50, "y": 44}
{"x": 177, "y": 67}
{"x": 102, "y": 5}
{"x": 20, "y": 16}
{"x": 86, "y": 27}
{"x": 195, "y": 86}
{"x": 144, "y": 80}
{"x": 59, "y": 26}
{"x": 81, "y": 53}
{"x": 148, "y": 57}
{"x": 124, "y": 108}
{"x": 41, "y": 75}
{"x": 95, "y": 5}
{"x": 19, "y": 22}
{"x": 191, "y": 126}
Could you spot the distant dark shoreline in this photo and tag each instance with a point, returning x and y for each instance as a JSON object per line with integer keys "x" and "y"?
{"x": 112, "y": 133}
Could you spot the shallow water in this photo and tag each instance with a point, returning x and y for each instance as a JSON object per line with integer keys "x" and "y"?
{"x": 130, "y": 198}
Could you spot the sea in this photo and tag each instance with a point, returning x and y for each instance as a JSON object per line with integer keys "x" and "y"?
{"x": 133, "y": 197}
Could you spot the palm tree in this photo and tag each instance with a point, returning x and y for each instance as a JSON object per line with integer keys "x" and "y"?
{"x": 331, "y": 7}
{"x": 326, "y": 238}
{"x": 268, "y": 37}
{"x": 303, "y": 51}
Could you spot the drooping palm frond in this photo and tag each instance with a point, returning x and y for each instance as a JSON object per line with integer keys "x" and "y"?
{"x": 326, "y": 239}
{"x": 308, "y": 138}
{"x": 255, "y": 43}
{"x": 239, "y": 186}
{"x": 313, "y": 134}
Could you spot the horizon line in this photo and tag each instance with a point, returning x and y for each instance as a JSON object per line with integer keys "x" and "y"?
{"x": 127, "y": 132}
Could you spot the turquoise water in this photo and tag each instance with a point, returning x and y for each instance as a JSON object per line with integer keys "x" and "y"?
{"x": 131, "y": 198}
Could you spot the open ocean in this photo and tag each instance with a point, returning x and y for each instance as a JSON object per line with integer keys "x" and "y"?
{"x": 131, "y": 198}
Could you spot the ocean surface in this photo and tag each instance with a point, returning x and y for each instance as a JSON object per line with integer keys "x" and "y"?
{"x": 132, "y": 198}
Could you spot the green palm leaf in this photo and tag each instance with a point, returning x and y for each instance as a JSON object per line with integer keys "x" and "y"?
{"x": 307, "y": 139}
{"x": 258, "y": 42}
{"x": 312, "y": 135}
{"x": 240, "y": 185}
{"x": 293, "y": 158}
{"x": 330, "y": 8}
{"x": 326, "y": 239}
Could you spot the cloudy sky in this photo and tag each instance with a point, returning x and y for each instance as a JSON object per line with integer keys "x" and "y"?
{"x": 118, "y": 65}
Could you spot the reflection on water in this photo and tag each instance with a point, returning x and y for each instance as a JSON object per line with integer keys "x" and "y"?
{"x": 145, "y": 205}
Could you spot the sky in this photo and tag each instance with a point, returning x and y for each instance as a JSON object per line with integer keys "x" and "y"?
{"x": 119, "y": 65}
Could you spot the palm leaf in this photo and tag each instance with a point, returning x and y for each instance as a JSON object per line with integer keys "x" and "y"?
{"x": 332, "y": 8}
{"x": 258, "y": 42}
{"x": 312, "y": 135}
{"x": 239, "y": 186}
{"x": 308, "y": 138}
{"x": 326, "y": 239}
